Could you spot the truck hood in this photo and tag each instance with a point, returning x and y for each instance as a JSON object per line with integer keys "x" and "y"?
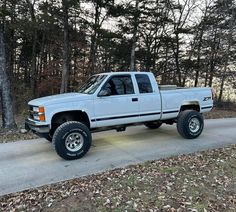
{"x": 59, "y": 98}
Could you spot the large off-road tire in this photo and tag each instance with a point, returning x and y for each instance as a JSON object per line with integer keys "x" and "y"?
{"x": 190, "y": 124}
{"x": 153, "y": 124}
{"x": 72, "y": 140}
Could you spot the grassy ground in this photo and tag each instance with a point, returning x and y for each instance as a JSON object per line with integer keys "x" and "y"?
{"x": 14, "y": 135}
{"x": 204, "y": 181}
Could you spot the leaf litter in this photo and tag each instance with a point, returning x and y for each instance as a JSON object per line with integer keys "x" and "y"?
{"x": 203, "y": 181}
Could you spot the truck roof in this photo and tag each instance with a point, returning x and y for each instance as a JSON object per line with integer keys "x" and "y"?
{"x": 126, "y": 72}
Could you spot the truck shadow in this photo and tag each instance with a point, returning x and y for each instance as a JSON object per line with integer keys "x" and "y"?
{"x": 134, "y": 135}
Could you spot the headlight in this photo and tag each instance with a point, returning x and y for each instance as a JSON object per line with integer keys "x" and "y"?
{"x": 39, "y": 109}
{"x": 38, "y": 113}
{"x": 36, "y": 109}
{"x": 36, "y": 117}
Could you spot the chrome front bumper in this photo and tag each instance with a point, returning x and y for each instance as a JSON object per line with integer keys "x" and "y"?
{"x": 36, "y": 127}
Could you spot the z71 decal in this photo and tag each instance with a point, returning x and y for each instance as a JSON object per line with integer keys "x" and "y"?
{"x": 207, "y": 98}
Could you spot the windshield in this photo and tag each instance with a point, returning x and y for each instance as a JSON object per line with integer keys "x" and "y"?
{"x": 92, "y": 84}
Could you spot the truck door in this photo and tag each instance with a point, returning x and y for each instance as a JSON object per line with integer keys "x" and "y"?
{"x": 116, "y": 103}
{"x": 149, "y": 99}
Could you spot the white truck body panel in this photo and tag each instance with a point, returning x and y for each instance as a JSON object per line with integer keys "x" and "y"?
{"x": 115, "y": 101}
{"x": 172, "y": 100}
{"x": 123, "y": 109}
{"x": 64, "y": 102}
{"x": 115, "y": 106}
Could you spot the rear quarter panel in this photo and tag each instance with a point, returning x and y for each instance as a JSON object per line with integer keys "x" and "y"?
{"x": 172, "y": 100}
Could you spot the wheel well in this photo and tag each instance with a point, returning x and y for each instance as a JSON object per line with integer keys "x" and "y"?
{"x": 190, "y": 107}
{"x": 62, "y": 117}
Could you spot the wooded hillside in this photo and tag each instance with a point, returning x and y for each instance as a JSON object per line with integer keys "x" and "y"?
{"x": 53, "y": 46}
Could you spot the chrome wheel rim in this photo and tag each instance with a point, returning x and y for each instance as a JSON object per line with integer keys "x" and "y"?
{"x": 194, "y": 125}
{"x": 74, "y": 142}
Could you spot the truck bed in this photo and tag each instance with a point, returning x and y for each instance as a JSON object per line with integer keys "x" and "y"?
{"x": 172, "y": 97}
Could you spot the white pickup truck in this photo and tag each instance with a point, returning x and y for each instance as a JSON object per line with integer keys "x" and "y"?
{"x": 114, "y": 101}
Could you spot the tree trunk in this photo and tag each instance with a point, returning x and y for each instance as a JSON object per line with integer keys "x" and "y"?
{"x": 206, "y": 75}
{"x": 134, "y": 38}
{"x": 212, "y": 68}
{"x": 132, "y": 55}
{"x": 202, "y": 29}
{"x": 224, "y": 75}
{"x": 214, "y": 51}
{"x": 41, "y": 57}
{"x": 164, "y": 76}
{"x": 10, "y": 38}
{"x": 33, "y": 64}
{"x": 93, "y": 47}
{"x": 221, "y": 87}
{"x": 198, "y": 58}
{"x": 8, "y": 121}
{"x": 178, "y": 73}
{"x": 65, "y": 71}
{"x": 33, "y": 74}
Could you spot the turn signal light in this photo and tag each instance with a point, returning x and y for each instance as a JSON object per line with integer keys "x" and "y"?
{"x": 42, "y": 117}
{"x": 41, "y": 110}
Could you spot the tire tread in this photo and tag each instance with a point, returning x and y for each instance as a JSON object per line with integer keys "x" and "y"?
{"x": 62, "y": 129}
{"x": 181, "y": 124}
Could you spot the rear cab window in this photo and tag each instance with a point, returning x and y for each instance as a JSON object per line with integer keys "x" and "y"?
{"x": 144, "y": 83}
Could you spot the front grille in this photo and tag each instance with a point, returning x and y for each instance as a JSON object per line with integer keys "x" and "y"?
{"x": 31, "y": 112}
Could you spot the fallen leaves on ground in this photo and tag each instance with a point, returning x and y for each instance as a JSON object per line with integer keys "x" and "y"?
{"x": 216, "y": 113}
{"x": 15, "y": 135}
{"x": 204, "y": 181}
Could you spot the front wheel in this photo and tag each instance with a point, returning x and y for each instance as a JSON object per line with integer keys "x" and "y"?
{"x": 190, "y": 124}
{"x": 72, "y": 140}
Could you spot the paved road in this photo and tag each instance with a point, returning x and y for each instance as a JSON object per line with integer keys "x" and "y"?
{"x": 27, "y": 164}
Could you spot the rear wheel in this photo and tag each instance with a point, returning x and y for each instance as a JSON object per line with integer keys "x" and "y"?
{"x": 190, "y": 124}
{"x": 72, "y": 140}
{"x": 153, "y": 124}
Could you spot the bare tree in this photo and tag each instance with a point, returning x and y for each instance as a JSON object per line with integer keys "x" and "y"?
{"x": 200, "y": 32}
{"x": 31, "y": 6}
{"x": 180, "y": 14}
{"x": 134, "y": 36}
{"x": 66, "y": 61}
{"x": 99, "y": 16}
{"x": 8, "y": 121}
{"x": 230, "y": 40}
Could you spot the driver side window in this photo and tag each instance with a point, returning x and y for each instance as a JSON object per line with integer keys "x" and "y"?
{"x": 119, "y": 85}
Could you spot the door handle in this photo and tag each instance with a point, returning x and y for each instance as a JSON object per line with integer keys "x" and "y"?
{"x": 134, "y": 99}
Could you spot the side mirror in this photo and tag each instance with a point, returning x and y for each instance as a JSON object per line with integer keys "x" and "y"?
{"x": 104, "y": 92}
